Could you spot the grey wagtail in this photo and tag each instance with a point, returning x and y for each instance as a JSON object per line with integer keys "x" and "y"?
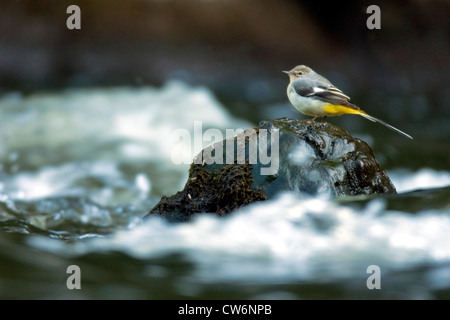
{"x": 315, "y": 96}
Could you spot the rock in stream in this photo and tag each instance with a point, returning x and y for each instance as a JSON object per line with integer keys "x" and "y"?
{"x": 284, "y": 154}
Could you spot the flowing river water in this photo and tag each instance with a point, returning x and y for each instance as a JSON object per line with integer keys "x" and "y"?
{"x": 80, "y": 168}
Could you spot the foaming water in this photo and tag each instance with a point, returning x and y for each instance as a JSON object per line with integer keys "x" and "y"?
{"x": 123, "y": 127}
{"x": 80, "y": 168}
{"x": 287, "y": 239}
{"x": 405, "y": 180}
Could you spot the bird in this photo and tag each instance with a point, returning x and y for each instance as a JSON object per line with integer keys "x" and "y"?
{"x": 313, "y": 95}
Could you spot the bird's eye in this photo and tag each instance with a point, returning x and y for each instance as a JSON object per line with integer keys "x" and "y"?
{"x": 299, "y": 73}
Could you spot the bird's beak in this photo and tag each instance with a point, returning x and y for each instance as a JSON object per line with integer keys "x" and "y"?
{"x": 287, "y": 72}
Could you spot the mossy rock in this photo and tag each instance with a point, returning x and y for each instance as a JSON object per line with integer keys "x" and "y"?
{"x": 311, "y": 157}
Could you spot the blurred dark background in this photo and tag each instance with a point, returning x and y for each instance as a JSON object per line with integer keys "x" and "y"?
{"x": 238, "y": 49}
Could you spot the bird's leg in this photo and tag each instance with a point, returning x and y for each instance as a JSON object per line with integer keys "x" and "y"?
{"x": 314, "y": 118}
{"x": 324, "y": 119}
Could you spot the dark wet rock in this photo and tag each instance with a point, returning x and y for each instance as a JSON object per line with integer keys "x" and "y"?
{"x": 219, "y": 191}
{"x": 311, "y": 157}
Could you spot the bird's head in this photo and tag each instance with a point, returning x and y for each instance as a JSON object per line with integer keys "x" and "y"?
{"x": 298, "y": 72}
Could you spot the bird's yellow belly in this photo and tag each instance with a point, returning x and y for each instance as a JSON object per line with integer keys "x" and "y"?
{"x": 337, "y": 110}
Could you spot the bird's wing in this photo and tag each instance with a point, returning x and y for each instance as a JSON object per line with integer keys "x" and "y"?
{"x": 324, "y": 92}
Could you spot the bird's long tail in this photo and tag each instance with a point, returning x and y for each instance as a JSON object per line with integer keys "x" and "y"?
{"x": 339, "y": 110}
{"x": 365, "y": 115}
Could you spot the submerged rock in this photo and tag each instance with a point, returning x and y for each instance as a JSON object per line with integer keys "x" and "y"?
{"x": 278, "y": 155}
